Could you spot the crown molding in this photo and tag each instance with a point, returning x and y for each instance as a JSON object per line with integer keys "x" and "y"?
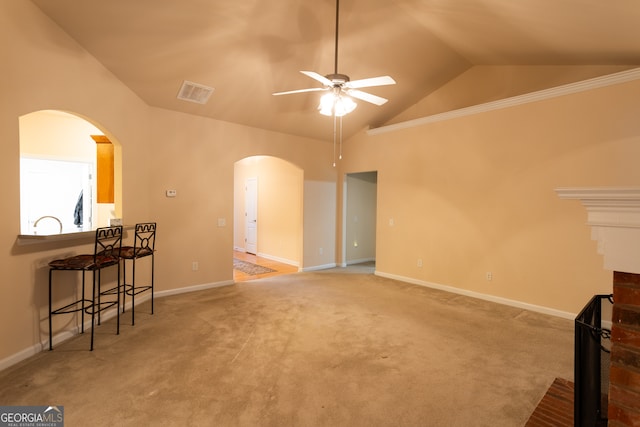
{"x": 582, "y": 86}
{"x": 614, "y": 217}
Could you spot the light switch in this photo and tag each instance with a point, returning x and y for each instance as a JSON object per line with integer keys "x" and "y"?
{"x": 172, "y": 193}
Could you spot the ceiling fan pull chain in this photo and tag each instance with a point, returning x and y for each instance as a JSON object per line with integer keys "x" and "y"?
{"x": 340, "y": 156}
{"x": 334, "y": 140}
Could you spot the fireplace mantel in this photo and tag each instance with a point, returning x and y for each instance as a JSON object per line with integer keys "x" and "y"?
{"x": 614, "y": 217}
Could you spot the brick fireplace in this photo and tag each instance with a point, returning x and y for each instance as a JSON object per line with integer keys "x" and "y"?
{"x": 614, "y": 217}
{"x": 624, "y": 386}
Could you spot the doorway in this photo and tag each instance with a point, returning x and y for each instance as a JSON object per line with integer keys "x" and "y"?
{"x": 359, "y": 218}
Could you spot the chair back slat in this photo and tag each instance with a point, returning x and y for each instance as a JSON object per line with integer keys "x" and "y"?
{"x": 145, "y": 239}
{"x": 108, "y": 242}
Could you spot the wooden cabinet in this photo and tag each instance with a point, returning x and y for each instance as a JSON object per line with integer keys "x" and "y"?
{"x": 104, "y": 169}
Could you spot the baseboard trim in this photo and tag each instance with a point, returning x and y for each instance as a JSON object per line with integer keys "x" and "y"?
{"x": 109, "y": 314}
{"x": 319, "y": 267}
{"x": 61, "y": 337}
{"x": 65, "y": 335}
{"x": 478, "y": 295}
{"x": 359, "y": 261}
{"x": 271, "y": 257}
{"x": 194, "y": 288}
{"x": 26, "y": 353}
{"x": 279, "y": 259}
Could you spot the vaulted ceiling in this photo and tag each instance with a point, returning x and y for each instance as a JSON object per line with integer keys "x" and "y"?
{"x": 248, "y": 49}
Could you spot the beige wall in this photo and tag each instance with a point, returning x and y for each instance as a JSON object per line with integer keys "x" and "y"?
{"x": 279, "y": 207}
{"x": 196, "y": 156}
{"x": 476, "y": 194}
{"x": 43, "y": 69}
{"x": 320, "y": 211}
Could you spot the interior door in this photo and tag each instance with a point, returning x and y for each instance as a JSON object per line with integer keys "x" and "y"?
{"x": 251, "y": 216}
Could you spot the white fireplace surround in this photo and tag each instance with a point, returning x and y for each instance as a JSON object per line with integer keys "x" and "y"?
{"x": 614, "y": 216}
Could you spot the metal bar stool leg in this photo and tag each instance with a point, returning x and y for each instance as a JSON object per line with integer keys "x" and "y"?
{"x": 93, "y": 309}
{"x": 133, "y": 293}
{"x": 83, "y": 306}
{"x": 153, "y": 267}
{"x": 124, "y": 284}
{"x": 118, "y": 303}
{"x": 50, "y": 315}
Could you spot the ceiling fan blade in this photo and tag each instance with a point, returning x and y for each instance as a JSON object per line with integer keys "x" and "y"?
{"x": 322, "y": 79}
{"x": 374, "y": 99}
{"x": 313, "y": 89}
{"x": 373, "y": 81}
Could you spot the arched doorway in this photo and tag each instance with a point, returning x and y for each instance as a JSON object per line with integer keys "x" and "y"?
{"x": 269, "y": 190}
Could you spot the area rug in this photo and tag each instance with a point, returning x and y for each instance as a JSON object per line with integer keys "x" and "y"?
{"x": 250, "y": 268}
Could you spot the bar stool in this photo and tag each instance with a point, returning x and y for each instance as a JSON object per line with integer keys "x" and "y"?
{"x": 106, "y": 253}
{"x": 143, "y": 246}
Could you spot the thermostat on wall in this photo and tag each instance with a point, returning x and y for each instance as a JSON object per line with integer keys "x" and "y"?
{"x": 172, "y": 193}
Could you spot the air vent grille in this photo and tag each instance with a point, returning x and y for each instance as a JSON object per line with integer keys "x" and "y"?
{"x": 194, "y": 92}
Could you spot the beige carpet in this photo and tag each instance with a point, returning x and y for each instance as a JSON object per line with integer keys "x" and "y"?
{"x": 305, "y": 349}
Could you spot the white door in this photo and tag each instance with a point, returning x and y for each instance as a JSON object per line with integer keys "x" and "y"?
{"x": 251, "y": 216}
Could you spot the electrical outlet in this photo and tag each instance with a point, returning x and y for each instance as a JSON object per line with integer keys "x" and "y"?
{"x": 420, "y": 262}
{"x": 194, "y": 266}
{"x": 489, "y": 275}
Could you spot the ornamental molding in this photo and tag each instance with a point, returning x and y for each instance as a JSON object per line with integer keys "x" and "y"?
{"x": 581, "y": 86}
{"x": 614, "y": 217}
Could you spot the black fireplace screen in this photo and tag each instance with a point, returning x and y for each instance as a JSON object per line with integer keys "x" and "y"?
{"x": 591, "y": 368}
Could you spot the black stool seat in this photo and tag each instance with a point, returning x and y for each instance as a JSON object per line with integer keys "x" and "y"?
{"x": 130, "y": 252}
{"x": 84, "y": 262}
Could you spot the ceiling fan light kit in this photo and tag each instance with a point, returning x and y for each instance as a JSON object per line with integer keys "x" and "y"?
{"x": 335, "y": 104}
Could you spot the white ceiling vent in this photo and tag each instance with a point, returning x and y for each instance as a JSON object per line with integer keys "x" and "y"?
{"x": 194, "y": 92}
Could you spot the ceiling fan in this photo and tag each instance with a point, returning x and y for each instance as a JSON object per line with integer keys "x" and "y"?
{"x": 338, "y": 102}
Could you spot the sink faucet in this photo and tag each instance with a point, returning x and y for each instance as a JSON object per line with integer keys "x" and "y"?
{"x": 35, "y": 224}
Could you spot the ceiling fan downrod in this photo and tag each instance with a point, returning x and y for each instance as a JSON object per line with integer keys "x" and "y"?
{"x": 335, "y": 68}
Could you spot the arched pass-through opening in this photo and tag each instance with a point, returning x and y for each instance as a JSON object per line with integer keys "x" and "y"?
{"x": 70, "y": 176}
